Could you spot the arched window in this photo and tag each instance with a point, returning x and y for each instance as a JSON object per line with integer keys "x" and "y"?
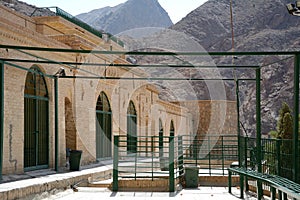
{"x": 103, "y": 127}
{"x": 36, "y": 121}
{"x": 172, "y": 129}
{"x": 161, "y": 139}
{"x": 131, "y": 128}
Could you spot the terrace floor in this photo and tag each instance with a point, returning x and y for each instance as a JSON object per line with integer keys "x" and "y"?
{"x": 84, "y": 193}
{"x": 57, "y": 186}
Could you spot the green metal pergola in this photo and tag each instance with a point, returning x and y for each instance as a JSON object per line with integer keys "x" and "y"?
{"x": 296, "y": 54}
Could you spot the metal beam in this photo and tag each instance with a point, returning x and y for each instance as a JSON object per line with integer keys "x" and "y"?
{"x": 25, "y": 69}
{"x": 127, "y": 65}
{"x": 155, "y": 79}
{"x": 162, "y": 53}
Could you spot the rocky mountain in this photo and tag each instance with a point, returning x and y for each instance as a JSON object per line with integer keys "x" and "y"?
{"x": 129, "y": 15}
{"x": 209, "y": 24}
{"x": 26, "y": 9}
{"x": 258, "y": 26}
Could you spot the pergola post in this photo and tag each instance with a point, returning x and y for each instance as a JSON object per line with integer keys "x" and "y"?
{"x": 239, "y": 137}
{"x": 56, "y": 121}
{"x": 1, "y": 115}
{"x": 171, "y": 164}
{"x": 238, "y": 121}
{"x": 115, "y": 186}
{"x": 296, "y": 116}
{"x": 258, "y": 131}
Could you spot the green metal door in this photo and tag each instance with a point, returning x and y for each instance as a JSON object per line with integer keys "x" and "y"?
{"x": 131, "y": 129}
{"x": 103, "y": 128}
{"x": 36, "y": 136}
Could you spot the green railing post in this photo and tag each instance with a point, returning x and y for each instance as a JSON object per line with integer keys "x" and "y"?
{"x": 152, "y": 156}
{"x": 135, "y": 163}
{"x": 171, "y": 164}
{"x": 229, "y": 181}
{"x": 246, "y": 140}
{"x": 273, "y": 193}
{"x": 180, "y": 155}
{"x": 296, "y": 116}
{"x": 278, "y": 157}
{"x": 223, "y": 159}
{"x": 1, "y": 115}
{"x": 56, "y": 121}
{"x": 209, "y": 156}
{"x": 258, "y": 131}
{"x": 116, "y": 163}
{"x": 242, "y": 186}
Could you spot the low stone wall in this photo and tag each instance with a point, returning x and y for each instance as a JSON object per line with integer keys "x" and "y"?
{"x": 145, "y": 185}
{"x": 217, "y": 181}
{"x": 29, "y": 187}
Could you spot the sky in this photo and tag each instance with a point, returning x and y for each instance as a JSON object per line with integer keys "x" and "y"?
{"x": 177, "y": 9}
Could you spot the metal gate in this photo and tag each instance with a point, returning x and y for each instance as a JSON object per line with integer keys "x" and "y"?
{"x": 36, "y": 136}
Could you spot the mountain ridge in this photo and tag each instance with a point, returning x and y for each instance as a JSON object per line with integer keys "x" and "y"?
{"x": 129, "y": 15}
{"x": 258, "y": 26}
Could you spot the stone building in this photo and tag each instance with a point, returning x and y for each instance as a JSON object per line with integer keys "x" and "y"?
{"x": 91, "y": 110}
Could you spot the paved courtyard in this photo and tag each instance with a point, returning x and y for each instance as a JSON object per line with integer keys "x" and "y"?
{"x": 85, "y": 193}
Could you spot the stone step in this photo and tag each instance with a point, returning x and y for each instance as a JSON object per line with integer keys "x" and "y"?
{"x": 101, "y": 184}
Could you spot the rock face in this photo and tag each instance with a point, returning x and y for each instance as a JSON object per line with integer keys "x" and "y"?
{"x": 26, "y": 9}
{"x": 258, "y": 26}
{"x": 129, "y": 15}
{"x": 209, "y": 24}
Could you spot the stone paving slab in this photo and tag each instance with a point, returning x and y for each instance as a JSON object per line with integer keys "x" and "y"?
{"x": 84, "y": 193}
{"x": 52, "y": 185}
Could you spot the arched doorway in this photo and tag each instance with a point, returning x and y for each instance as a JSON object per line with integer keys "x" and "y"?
{"x": 70, "y": 126}
{"x": 161, "y": 139}
{"x": 172, "y": 129}
{"x": 103, "y": 128}
{"x": 36, "y": 121}
{"x": 131, "y": 128}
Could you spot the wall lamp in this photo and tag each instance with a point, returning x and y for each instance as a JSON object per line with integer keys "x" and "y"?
{"x": 294, "y": 8}
{"x": 61, "y": 72}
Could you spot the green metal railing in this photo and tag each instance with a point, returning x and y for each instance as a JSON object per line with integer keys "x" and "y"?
{"x": 85, "y": 26}
{"x": 77, "y": 21}
{"x": 213, "y": 153}
{"x": 146, "y": 161}
{"x": 277, "y": 156}
{"x": 156, "y": 157}
{"x": 59, "y": 12}
{"x": 165, "y": 157}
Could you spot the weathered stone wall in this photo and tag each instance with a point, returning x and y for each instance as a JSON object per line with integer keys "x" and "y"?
{"x": 213, "y": 117}
{"x": 77, "y": 97}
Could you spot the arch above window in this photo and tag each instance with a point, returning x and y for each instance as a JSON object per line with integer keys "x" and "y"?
{"x": 35, "y": 84}
{"x": 131, "y": 109}
{"x": 103, "y": 103}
